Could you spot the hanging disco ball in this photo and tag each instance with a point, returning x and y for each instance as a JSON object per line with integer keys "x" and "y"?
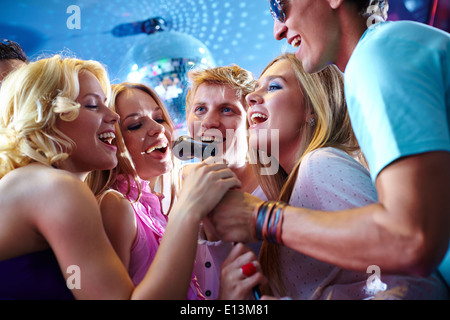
{"x": 162, "y": 61}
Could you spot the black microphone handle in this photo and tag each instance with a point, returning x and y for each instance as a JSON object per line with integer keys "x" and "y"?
{"x": 186, "y": 148}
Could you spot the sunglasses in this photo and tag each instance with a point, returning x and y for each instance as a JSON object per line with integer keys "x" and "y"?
{"x": 276, "y": 10}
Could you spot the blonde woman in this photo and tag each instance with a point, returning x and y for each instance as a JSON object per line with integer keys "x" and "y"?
{"x": 318, "y": 171}
{"x": 55, "y": 127}
{"x": 131, "y": 208}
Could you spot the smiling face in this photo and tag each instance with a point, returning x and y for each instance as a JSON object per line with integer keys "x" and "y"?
{"x": 312, "y": 27}
{"x": 92, "y": 131}
{"x": 277, "y": 104}
{"x": 146, "y": 132}
{"x": 218, "y": 114}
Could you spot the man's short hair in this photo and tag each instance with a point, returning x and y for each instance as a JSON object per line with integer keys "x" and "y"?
{"x": 11, "y": 50}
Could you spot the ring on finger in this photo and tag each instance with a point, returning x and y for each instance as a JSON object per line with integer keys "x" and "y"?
{"x": 248, "y": 269}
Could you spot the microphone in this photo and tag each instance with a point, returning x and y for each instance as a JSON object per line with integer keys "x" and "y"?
{"x": 257, "y": 293}
{"x": 186, "y": 148}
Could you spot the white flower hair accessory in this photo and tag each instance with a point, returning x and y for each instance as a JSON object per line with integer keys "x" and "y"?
{"x": 377, "y": 10}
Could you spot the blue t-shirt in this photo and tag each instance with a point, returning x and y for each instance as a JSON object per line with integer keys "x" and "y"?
{"x": 397, "y": 86}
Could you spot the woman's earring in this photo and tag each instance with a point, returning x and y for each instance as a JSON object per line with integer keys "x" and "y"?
{"x": 312, "y": 122}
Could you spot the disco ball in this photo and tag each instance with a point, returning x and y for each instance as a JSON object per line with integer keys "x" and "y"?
{"x": 162, "y": 61}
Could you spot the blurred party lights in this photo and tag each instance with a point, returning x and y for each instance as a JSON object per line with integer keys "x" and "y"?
{"x": 162, "y": 60}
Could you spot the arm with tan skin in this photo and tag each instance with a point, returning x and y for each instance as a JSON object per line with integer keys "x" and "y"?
{"x": 71, "y": 225}
{"x": 405, "y": 232}
{"x": 171, "y": 271}
{"x": 207, "y": 231}
{"x": 119, "y": 221}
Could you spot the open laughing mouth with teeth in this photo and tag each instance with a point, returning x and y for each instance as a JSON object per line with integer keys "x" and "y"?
{"x": 107, "y": 137}
{"x": 162, "y": 147}
{"x": 258, "y": 118}
{"x": 296, "y": 42}
{"x": 211, "y": 139}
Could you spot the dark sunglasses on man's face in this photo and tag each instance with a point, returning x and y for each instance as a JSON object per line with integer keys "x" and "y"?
{"x": 276, "y": 10}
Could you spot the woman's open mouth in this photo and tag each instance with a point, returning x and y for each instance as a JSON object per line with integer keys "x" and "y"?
{"x": 107, "y": 137}
{"x": 162, "y": 148}
{"x": 257, "y": 118}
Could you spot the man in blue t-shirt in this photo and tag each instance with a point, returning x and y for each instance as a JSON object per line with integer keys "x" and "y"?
{"x": 397, "y": 85}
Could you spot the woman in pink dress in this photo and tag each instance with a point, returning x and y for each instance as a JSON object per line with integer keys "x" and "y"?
{"x": 56, "y": 128}
{"x": 132, "y": 210}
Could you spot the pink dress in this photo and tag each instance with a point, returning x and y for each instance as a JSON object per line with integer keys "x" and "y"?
{"x": 151, "y": 223}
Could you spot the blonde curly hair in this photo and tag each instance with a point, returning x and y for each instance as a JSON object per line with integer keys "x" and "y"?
{"x": 31, "y": 100}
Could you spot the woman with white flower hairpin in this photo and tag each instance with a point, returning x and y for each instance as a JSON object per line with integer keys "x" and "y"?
{"x": 55, "y": 128}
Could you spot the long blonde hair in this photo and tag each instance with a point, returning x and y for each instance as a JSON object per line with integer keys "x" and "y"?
{"x": 100, "y": 181}
{"x": 323, "y": 94}
{"x": 32, "y": 98}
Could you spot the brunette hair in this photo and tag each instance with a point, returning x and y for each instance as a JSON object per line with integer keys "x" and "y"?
{"x": 11, "y": 50}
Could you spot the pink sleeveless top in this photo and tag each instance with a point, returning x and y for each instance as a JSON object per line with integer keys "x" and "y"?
{"x": 151, "y": 223}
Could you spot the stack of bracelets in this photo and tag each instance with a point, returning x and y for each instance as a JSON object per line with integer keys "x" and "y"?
{"x": 268, "y": 219}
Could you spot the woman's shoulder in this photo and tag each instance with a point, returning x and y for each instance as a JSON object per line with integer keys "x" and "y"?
{"x": 116, "y": 209}
{"x": 38, "y": 181}
{"x": 114, "y": 201}
{"x": 332, "y": 164}
{"x": 331, "y": 173}
{"x": 327, "y": 155}
{"x": 111, "y": 196}
{"x": 43, "y": 200}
